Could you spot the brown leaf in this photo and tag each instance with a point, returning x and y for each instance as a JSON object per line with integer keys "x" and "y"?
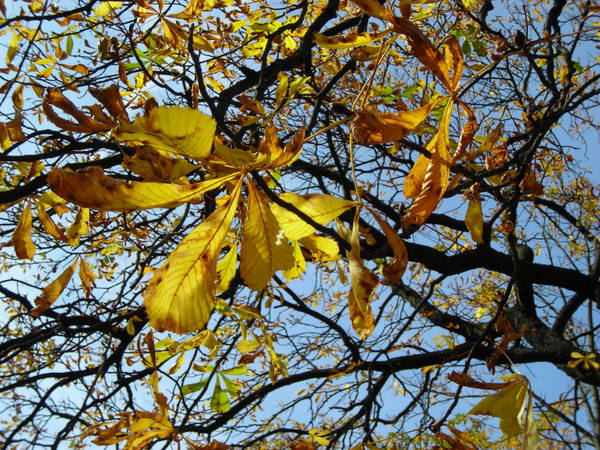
{"x": 83, "y": 123}
{"x": 465, "y": 380}
{"x": 111, "y": 99}
{"x": 421, "y": 48}
{"x": 371, "y": 128}
{"x": 393, "y": 272}
{"x": 509, "y": 334}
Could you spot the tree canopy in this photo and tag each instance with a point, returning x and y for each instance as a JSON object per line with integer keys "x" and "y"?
{"x": 299, "y": 224}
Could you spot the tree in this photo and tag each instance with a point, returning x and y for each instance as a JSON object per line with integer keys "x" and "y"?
{"x": 299, "y": 224}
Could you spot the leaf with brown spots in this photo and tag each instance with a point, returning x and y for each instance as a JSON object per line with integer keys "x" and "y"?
{"x": 364, "y": 282}
{"x": 350, "y": 40}
{"x": 393, "y": 272}
{"x": 153, "y": 166}
{"x": 92, "y": 189}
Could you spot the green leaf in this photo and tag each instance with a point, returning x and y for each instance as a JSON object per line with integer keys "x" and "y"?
{"x": 238, "y": 370}
{"x": 194, "y": 387}
{"x": 219, "y": 402}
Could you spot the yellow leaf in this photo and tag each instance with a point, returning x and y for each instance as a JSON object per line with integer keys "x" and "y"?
{"x": 180, "y": 296}
{"x": 24, "y": 246}
{"x": 236, "y": 157}
{"x": 508, "y": 404}
{"x": 247, "y": 345}
{"x": 105, "y": 8}
{"x": 49, "y": 225}
{"x": 299, "y": 263}
{"x": 226, "y": 269}
{"x": 91, "y": 188}
{"x": 351, "y": 40}
{"x": 414, "y": 180}
{"x": 322, "y": 208}
{"x": 51, "y": 292}
{"x": 322, "y": 248}
{"x": 269, "y": 153}
{"x": 13, "y": 47}
{"x": 371, "y": 128}
{"x": 5, "y": 142}
{"x": 474, "y": 220}
{"x": 363, "y": 282}
{"x": 17, "y": 98}
{"x": 532, "y": 439}
{"x": 466, "y": 134}
{"x": 436, "y": 176}
{"x": 153, "y": 166}
{"x": 183, "y": 131}
{"x": 264, "y": 249}
{"x": 318, "y": 437}
{"x": 171, "y": 32}
{"x": 195, "y": 7}
{"x": 393, "y": 272}
{"x": 45, "y": 73}
{"x": 79, "y": 227}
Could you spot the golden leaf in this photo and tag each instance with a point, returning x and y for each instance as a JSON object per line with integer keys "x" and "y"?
{"x": 49, "y": 225}
{"x": 180, "y": 296}
{"x": 436, "y": 176}
{"x": 24, "y": 246}
{"x": 183, "y": 131}
{"x": 376, "y": 128}
{"x": 322, "y": 208}
{"x": 466, "y": 134}
{"x": 474, "y": 220}
{"x": 454, "y": 59}
{"x": 91, "y": 188}
{"x": 51, "y": 292}
{"x": 268, "y": 155}
{"x": 264, "y": 249}
{"x": 79, "y": 227}
{"x": 87, "y": 277}
{"x": 363, "y": 284}
{"x": 414, "y": 180}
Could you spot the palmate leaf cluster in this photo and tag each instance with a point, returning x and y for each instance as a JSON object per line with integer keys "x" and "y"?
{"x": 299, "y": 225}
